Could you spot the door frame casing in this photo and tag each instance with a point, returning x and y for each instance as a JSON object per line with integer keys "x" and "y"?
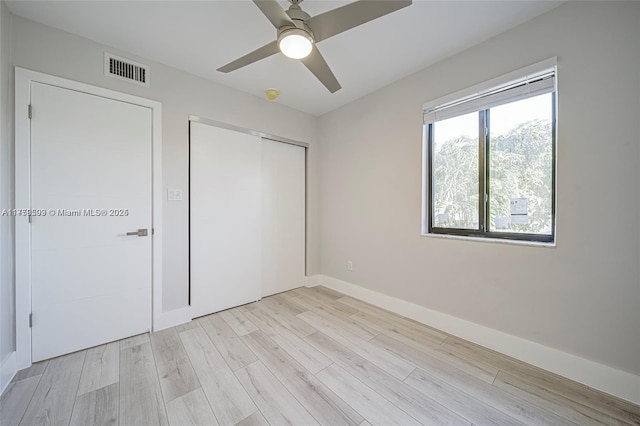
{"x": 23, "y": 80}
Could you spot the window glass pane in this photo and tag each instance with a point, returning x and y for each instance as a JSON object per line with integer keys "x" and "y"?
{"x": 520, "y": 166}
{"x": 455, "y": 147}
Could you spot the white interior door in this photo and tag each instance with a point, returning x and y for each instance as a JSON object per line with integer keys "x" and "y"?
{"x": 225, "y": 222}
{"x": 91, "y": 164}
{"x": 283, "y": 216}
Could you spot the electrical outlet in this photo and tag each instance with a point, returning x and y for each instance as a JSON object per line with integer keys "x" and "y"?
{"x": 349, "y": 265}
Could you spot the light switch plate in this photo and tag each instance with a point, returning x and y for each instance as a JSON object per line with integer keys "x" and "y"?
{"x": 174, "y": 194}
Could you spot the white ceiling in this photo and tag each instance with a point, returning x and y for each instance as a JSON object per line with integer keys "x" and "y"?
{"x": 200, "y": 36}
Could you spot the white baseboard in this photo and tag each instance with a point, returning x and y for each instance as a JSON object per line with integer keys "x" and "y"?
{"x": 172, "y": 318}
{"x": 312, "y": 280}
{"x": 8, "y": 369}
{"x": 598, "y": 376}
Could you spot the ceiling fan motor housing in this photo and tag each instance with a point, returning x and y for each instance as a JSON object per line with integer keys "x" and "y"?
{"x": 295, "y": 12}
{"x": 298, "y": 17}
{"x": 305, "y": 30}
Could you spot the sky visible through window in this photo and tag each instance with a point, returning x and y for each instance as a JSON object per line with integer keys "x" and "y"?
{"x": 510, "y": 117}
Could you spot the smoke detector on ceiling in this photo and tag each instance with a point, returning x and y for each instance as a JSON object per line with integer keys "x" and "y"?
{"x": 126, "y": 69}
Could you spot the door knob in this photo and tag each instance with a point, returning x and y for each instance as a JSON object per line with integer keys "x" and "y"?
{"x": 139, "y": 232}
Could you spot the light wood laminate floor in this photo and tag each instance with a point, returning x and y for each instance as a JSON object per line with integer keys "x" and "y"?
{"x": 305, "y": 357}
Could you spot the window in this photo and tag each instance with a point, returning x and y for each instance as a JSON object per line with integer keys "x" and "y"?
{"x": 490, "y": 160}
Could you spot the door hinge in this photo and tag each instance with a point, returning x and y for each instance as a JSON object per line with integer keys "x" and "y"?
{"x": 30, "y": 112}
{"x": 30, "y": 320}
{"x": 153, "y": 231}
{"x": 29, "y": 218}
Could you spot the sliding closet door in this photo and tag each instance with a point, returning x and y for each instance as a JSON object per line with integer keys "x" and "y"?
{"x": 226, "y": 220}
{"x": 283, "y": 216}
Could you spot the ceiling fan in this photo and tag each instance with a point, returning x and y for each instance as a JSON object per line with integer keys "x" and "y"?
{"x": 298, "y": 33}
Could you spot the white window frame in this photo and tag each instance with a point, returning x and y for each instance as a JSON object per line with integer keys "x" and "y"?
{"x": 476, "y": 98}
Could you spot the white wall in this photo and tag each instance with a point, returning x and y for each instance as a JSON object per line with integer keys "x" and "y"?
{"x": 582, "y": 297}
{"x": 7, "y": 291}
{"x": 41, "y": 48}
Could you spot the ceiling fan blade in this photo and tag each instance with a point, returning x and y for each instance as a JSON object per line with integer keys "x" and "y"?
{"x": 264, "y": 52}
{"x": 346, "y": 17}
{"x": 274, "y": 13}
{"x": 318, "y": 66}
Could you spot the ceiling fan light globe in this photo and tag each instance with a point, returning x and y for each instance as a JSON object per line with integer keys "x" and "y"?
{"x": 295, "y": 43}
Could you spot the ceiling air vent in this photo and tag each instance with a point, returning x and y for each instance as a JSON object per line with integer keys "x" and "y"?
{"x": 126, "y": 69}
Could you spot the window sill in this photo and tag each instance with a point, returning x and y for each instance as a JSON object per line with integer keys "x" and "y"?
{"x": 492, "y": 240}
